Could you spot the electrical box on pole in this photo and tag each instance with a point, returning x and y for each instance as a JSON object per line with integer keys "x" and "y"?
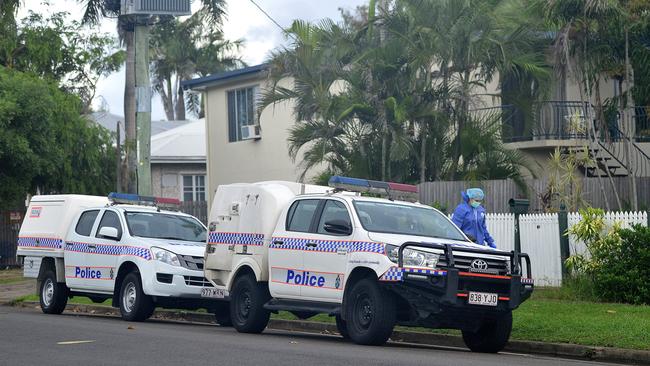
{"x": 156, "y": 7}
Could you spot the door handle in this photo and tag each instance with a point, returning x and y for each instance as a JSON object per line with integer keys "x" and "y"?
{"x": 278, "y": 242}
{"x": 311, "y": 245}
{"x": 92, "y": 246}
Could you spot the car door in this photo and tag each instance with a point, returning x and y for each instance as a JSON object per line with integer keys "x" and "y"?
{"x": 325, "y": 261}
{"x": 287, "y": 246}
{"x": 76, "y": 249}
{"x": 105, "y": 252}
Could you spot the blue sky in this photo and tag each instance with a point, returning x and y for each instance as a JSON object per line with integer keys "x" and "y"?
{"x": 244, "y": 21}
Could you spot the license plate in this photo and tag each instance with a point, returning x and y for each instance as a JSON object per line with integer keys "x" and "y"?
{"x": 215, "y": 293}
{"x": 483, "y": 298}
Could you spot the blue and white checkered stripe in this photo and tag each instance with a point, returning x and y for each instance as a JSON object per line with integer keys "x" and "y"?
{"x": 392, "y": 275}
{"x": 26, "y": 241}
{"x": 424, "y": 271}
{"x": 397, "y": 274}
{"x": 330, "y": 246}
{"x": 527, "y": 281}
{"x": 235, "y": 238}
{"x": 103, "y": 249}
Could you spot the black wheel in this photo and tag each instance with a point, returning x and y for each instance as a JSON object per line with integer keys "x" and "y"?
{"x": 342, "y": 326}
{"x": 247, "y": 301}
{"x": 135, "y": 305}
{"x": 53, "y": 295}
{"x": 222, "y": 314}
{"x": 370, "y": 313}
{"x": 491, "y": 337}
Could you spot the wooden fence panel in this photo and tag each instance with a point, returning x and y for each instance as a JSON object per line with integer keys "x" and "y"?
{"x": 498, "y": 192}
{"x": 198, "y": 209}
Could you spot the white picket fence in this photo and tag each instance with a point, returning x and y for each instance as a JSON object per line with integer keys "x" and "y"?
{"x": 540, "y": 238}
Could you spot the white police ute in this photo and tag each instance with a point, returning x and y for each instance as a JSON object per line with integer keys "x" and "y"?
{"x": 124, "y": 247}
{"x": 371, "y": 262}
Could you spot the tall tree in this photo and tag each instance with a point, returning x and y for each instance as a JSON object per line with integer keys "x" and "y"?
{"x": 94, "y": 11}
{"x": 183, "y": 50}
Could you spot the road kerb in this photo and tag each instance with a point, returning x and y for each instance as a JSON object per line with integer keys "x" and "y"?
{"x": 608, "y": 354}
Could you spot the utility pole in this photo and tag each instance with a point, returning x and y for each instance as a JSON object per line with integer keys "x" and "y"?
{"x": 143, "y": 105}
{"x": 118, "y": 161}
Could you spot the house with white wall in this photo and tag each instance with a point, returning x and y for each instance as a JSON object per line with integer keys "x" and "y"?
{"x": 242, "y": 147}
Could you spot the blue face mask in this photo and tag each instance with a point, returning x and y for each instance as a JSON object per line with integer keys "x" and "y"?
{"x": 475, "y": 204}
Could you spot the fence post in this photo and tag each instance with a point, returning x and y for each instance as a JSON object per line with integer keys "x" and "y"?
{"x": 517, "y": 234}
{"x": 563, "y": 222}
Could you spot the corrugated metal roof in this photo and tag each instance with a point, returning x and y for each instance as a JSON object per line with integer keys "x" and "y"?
{"x": 185, "y": 143}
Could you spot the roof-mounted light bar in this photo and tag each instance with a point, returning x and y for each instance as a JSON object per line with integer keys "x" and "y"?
{"x": 135, "y": 199}
{"x": 405, "y": 192}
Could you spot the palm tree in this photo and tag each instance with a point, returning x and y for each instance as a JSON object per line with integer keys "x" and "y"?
{"x": 94, "y": 11}
{"x": 182, "y": 50}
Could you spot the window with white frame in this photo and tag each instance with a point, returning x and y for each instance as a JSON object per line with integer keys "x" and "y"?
{"x": 241, "y": 111}
{"x": 194, "y": 188}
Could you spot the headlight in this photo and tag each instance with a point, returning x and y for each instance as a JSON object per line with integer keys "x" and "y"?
{"x": 508, "y": 266}
{"x": 165, "y": 256}
{"x": 412, "y": 257}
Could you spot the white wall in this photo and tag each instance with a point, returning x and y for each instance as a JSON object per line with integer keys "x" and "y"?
{"x": 249, "y": 160}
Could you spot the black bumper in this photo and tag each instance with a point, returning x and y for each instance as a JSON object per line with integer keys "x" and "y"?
{"x": 439, "y": 298}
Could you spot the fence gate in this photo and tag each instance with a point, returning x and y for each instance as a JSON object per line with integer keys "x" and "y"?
{"x": 9, "y": 227}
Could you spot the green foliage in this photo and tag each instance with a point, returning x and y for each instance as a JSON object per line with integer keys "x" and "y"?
{"x": 45, "y": 144}
{"x": 617, "y": 258}
{"x": 389, "y": 93}
{"x": 181, "y": 50}
{"x": 63, "y": 51}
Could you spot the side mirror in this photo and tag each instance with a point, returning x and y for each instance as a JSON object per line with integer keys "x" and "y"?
{"x": 340, "y": 227}
{"x": 109, "y": 233}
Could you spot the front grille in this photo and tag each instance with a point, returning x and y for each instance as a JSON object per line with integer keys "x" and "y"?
{"x": 191, "y": 262}
{"x": 463, "y": 263}
{"x": 197, "y": 281}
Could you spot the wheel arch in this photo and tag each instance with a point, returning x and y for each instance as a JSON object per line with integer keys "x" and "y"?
{"x": 125, "y": 268}
{"x": 55, "y": 264}
{"x": 248, "y": 267}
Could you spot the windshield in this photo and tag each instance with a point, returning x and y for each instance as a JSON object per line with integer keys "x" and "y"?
{"x": 163, "y": 226}
{"x": 407, "y": 220}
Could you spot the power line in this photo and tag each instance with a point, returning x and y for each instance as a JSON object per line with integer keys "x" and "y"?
{"x": 271, "y": 19}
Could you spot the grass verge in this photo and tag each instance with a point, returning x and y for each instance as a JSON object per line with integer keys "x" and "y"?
{"x": 543, "y": 318}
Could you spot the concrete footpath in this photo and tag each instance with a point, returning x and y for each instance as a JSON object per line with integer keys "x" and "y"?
{"x": 550, "y": 349}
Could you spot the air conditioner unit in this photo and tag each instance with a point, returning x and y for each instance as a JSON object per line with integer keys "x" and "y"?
{"x": 251, "y": 132}
{"x": 156, "y": 7}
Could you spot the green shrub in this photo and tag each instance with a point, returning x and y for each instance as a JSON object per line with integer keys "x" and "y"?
{"x": 617, "y": 260}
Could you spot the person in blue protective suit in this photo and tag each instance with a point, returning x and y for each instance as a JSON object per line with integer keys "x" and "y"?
{"x": 469, "y": 216}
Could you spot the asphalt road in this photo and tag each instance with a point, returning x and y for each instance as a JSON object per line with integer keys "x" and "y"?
{"x": 28, "y": 337}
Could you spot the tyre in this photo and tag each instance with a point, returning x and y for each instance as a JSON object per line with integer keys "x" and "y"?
{"x": 53, "y": 296}
{"x": 135, "y": 305}
{"x": 491, "y": 337}
{"x": 342, "y": 326}
{"x": 247, "y": 300}
{"x": 222, "y": 314}
{"x": 370, "y": 313}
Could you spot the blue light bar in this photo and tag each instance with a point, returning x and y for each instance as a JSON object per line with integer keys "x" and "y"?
{"x": 355, "y": 182}
{"x": 399, "y": 191}
{"x": 135, "y": 199}
{"x": 113, "y": 196}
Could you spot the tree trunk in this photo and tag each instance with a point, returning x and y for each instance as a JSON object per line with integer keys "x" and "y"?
{"x": 166, "y": 96}
{"x": 627, "y": 121}
{"x": 423, "y": 155}
{"x": 180, "y": 105}
{"x": 130, "y": 146}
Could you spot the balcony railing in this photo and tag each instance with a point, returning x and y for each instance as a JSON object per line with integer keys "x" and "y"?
{"x": 566, "y": 120}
